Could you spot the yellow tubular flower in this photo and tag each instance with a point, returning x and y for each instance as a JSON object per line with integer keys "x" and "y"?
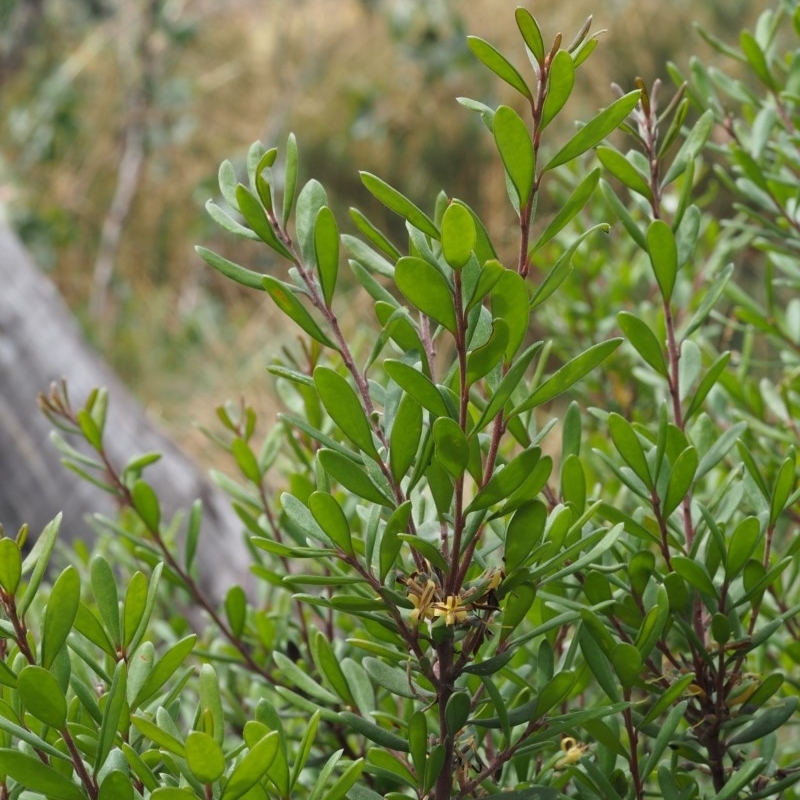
{"x": 452, "y": 610}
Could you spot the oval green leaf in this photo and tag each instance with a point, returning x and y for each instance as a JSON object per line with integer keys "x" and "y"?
{"x": 204, "y": 757}
{"x": 427, "y": 290}
{"x": 458, "y": 235}
{"x": 499, "y": 64}
{"x": 59, "y": 615}
{"x": 514, "y": 143}
{"x": 560, "y": 83}
{"x": 42, "y": 696}
{"x": 326, "y": 245}
{"x": 345, "y": 408}
{"x": 595, "y": 130}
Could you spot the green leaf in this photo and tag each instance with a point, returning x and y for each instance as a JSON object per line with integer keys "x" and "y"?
{"x": 304, "y": 749}
{"x": 251, "y": 768}
{"x": 394, "y": 680}
{"x": 59, "y": 615}
{"x": 459, "y": 235}
{"x": 741, "y": 777}
{"x": 456, "y": 712}
{"x": 171, "y": 793}
{"x": 42, "y": 696}
{"x": 326, "y": 245}
{"x": 231, "y": 270}
{"x": 783, "y": 488}
{"x": 627, "y": 662}
{"x": 568, "y": 375}
{"x": 90, "y": 429}
{"x": 253, "y": 212}
{"x": 623, "y": 215}
{"x": 145, "y": 502}
{"x": 10, "y": 565}
{"x": 571, "y": 208}
{"x": 418, "y": 741}
{"x": 400, "y": 204}
{"x": 555, "y": 692}
{"x": 406, "y": 433}
{"x": 134, "y": 608}
{"x": 228, "y": 223}
{"x": 419, "y": 386}
{"x": 311, "y": 199}
{"x": 695, "y": 574}
{"x": 680, "y": 480}
{"x": 35, "y": 776}
{"x": 665, "y": 733}
{"x": 116, "y": 785}
{"x": 624, "y": 171}
{"x": 373, "y": 732}
{"x": 690, "y": 148}
{"x": 757, "y": 60}
{"x": 376, "y": 237}
{"x": 510, "y": 304}
{"x": 37, "y": 560}
{"x": 507, "y": 385}
{"x": 345, "y": 408}
{"x": 236, "y": 609}
{"x": 390, "y": 543}
{"x": 290, "y": 178}
{"x": 629, "y": 447}
{"x": 524, "y": 532}
{"x": 560, "y": 83}
{"x": 204, "y": 757}
{"x": 562, "y": 268}
{"x": 427, "y": 290}
{"x": 246, "y": 460}
{"x": 329, "y": 515}
{"x": 399, "y": 325}
{"x": 328, "y": 664}
{"x": 211, "y": 703}
{"x": 491, "y": 272}
{"x": 112, "y": 714}
{"x": 504, "y": 481}
{"x": 719, "y": 449}
{"x": 499, "y": 64}
{"x": 485, "y": 358}
{"x": 104, "y": 588}
{"x": 226, "y": 177}
{"x": 164, "y": 669}
{"x": 351, "y": 476}
{"x": 595, "y": 130}
{"x": 653, "y": 624}
{"x": 707, "y": 384}
{"x": 666, "y": 699}
{"x": 663, "y": 252}
{"x": 450, "y": 446}
{"x": 284, "y": 297}
{"x": 644, "y": 341}
{"x": 342, "y": 785}
{"x": 743, "y": 542}
{"x": 513, "y": 140}
{"x": 531, "y": 33}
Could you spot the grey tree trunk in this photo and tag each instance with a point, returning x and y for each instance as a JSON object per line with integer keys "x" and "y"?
{"x": 40, "y": 342}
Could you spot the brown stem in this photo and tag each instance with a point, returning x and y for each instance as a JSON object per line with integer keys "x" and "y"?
{"x": 444, "y": 782}
{"x": 89, "y": 783}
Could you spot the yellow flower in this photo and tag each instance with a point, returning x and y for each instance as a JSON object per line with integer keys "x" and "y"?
{"x": 421, "y": 600}
{"x": 452, "y": 610}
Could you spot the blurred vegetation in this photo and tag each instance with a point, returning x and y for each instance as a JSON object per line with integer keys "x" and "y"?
{"x": 112, "y": 117}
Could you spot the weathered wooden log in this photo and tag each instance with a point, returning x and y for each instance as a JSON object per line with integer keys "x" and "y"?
{"x": 40, "y": 342}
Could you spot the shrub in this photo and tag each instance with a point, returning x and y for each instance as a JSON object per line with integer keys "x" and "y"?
{"x": 507, "y": 561}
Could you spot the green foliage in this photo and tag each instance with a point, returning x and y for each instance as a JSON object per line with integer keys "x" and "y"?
{"x": 468, "y": 588}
